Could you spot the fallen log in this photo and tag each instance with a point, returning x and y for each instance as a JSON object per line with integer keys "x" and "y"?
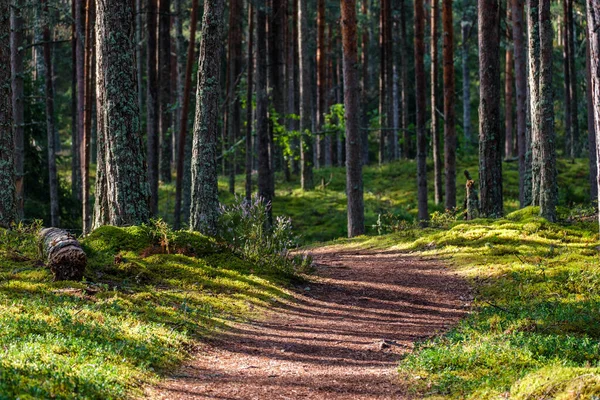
{"x": 65, "y": 257}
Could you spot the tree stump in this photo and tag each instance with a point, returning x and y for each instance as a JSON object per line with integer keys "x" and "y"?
{"x": 65, "y": 257}
{"x": 471, "y": 199}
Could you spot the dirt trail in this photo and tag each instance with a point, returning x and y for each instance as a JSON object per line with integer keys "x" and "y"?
{"x": 340, "y": 338}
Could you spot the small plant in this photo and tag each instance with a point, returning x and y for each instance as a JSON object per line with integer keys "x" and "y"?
{"x": 245, "y": 226}
{"x": 391, "y": 223}
{"x": 444, "y": 219}
{"x": 162, "y": 232}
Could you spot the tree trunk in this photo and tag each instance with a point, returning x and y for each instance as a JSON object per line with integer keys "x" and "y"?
{"x": 183, "y": 125}
{"x": 365, "y": 88}
{"x": 64, "y": 255}
{"x": 152, "y": 110}
{"x": 490, "y": 142}
{"x": 138, "y": 52}
{"x": 421, "y": 110}
{"x": 291, "y": 105}
{"x": 509, "y": 84}
{"x": 50, "y": 130}
{"x": 262, "y": 122}
{"x": 306, "y": 145}
{"x": 435, "y": 134}
{"x": 18, "y": 94}
{"x": 569, "y": 140}
{"x": 548, "y": 184}
{"x": 234, "y": 67}
{"x": 165, "y": 92}
{"x": 354, "y": 182}
{"x": 204, "y": 211}
{"x": 466, "y": 27}
{"x": 88, "y": 83}
{"x": 576, "y": 145}
{"x": 8, "y": 204}
{"x": 320, "y": 142}
{"x": 534, "y": 97}
{"x": 593, "y": 24}
{"x": 590, "y": 124}
{"x": 449, "y": 113}
{"x": 249, "y": 97}
{"x": 407, "y": 148}
{"x": 521, "y": 92}
{"x": 122, "y": 192}
{"x": 276, "y": 41}
{"x": 75, "y": 156}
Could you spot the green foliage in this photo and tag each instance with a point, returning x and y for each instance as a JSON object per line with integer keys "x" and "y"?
{"x": 140, "y": 306}
{"x": 535, "y": 329}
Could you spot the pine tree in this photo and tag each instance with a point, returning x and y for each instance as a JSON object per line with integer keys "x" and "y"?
{"x": 421, "y": 110}
{"x": 152, "y": 105}
{"x": 18, "y": 94}
{"x": 306, "y": 143}
{"x": 449, "y": 113}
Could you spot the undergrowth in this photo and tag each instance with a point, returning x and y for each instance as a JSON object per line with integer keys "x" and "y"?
{"x": 148, "y": 294}
{"x": 535, "y": 327}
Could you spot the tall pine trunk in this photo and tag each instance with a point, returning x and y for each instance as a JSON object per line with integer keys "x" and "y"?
{"x": 321, "y": 102}
{"x": 152, "y": 108}
{"x": 8, "y": 204}
{"x": 50, "y": 128}
{"x": 590, "y": 124}
{"x": 262, "y": 122}
{"x": 533, "y": 32}
{"x": 249, "y": 97}
{"x": 18, "y": 93}
{"x": 204, "y": 210}
{"x": 354, "y": 182}
{"x": 183, "y": 125}
{"x": 465, "y": 27}
{"x": 509, "y": 84}
{"x": 593, "y": 24}
{"x": 306, "y": 142}
{"x": 449, "y": 113}
{"x": 165, "y": 92}
{"x": 421, "y": 111}
{"x": 89, "y": 85}
{"x": 435, "y": 121}
{"x": 234, "y": 67}
{"x": 569, "y": 139}
{"x": 122, "y": 188}
{"x": 490, "y": 139}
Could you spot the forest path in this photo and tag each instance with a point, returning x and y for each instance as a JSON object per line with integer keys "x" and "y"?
{"x": 340, "y": 336}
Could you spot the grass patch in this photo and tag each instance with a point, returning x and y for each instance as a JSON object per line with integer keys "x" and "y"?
{"x": 535, "y": 329}
{"x": 135, "y": 315}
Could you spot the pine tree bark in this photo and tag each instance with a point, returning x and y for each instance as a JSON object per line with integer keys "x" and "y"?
{"x": 204, "y": 212}
{"x": 138, "y": 52}
{"x": 75, "y": 163}
{"x": 50, "y": 128}
{"x": 569, "y": 140}
{"x": 435, "y": 123}
{"x": 321, "y": 107}
{"x": 407, "y": 148}
{"x": 365, "y": 88}
{"x": 234, "y": 67}
{"x": 520, "y": 59}
{"x": 306, "y": 143}
{"x": 8, "y": 200}
{"x": 576, "y": 145}
{"x": 423, "y": 213}
{"x": 534, "y": 97}
{"x": 88, "y": 88}
{"x": 152, "y": 105}
{"x": 466, "y": 27}
{"x": 122, "y": 192}
{"x": 165, "y": 94}
{"x": 593, "y": 26}
{"x": 548, "y": 183}
{"x": 490, "y": 141}
{"x": 509, "y": 84}
{"x": 183, "y": 125}
{"x": 354, "y": 182}
{"x": 18, "y": 93}
{"x": 590, "y": 124}
{"x": 276, "y": 42}
{"x": 449, "y": 113}
{"x": 249, "y": 97}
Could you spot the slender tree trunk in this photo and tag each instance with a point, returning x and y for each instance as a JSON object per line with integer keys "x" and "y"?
{"x": 435, "y": 123}
{"x": 138, "y": 52}
{"x": 262, "y": 123}
{"x": 590, "y": 124}
{"x": 152, "y": 105}
{"x": 122, "y": 193}
{"x": 449, "y": 113}
{"x": 548, "y": 184}
{"x": 183, "y": 125}
{"x": 165, "y": 92}
{"x": 320, "y": 138}
{"x": 49, "y": 97}
{"x": 569, "y": 140}
{"x": 250, "y": 83}
{"x": 204, "y": 211}
{"x": 593, "y": 26}
{"x": 421, "y": 110}
{"x": 534, "y": 97}
{"x": 18, "y": 112}
{"x": 75, "y": 163}
{"x": 521, "y": 92}
{"x": 8, "y": 199}
{"x": 88, "y": 83}
{"x": 234, "y": 69}
{"x": 406, "y": 136}
{"x": 365, "y": 88}
{"x": 354, "y": 182}
{"x": 576, "y": 145}
{"x": 509, "y": 84}
{"x": 291, "y": 105}
{"x": 306, "y": 143}
{"x": 466, "y": 82}
{"x": 276, "y": 41}
{"x": 490, "y": 142}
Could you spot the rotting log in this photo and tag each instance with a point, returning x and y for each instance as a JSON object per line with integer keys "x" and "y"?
{"x": 65, "y": 257}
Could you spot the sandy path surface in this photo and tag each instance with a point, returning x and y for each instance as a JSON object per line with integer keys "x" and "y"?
{"x": 340, "y": 337}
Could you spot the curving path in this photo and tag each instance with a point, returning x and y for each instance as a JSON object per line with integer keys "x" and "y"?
{"x": 340, "y": 338}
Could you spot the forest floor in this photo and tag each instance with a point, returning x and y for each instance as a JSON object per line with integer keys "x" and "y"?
{"x": 340, "y": 335}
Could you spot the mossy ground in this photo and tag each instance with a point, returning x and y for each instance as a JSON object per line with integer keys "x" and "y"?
{"x": 135, "y": 315}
